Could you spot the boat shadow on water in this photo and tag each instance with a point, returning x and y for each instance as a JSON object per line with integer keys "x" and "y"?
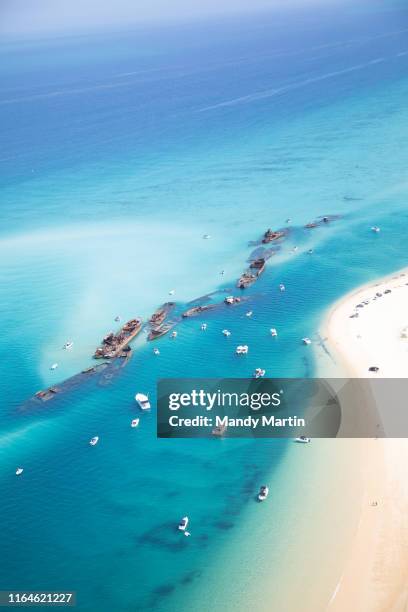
{"x": 166, "y": 536}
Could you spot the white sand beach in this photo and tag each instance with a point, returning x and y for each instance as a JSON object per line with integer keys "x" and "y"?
{"x": 375, "y": 576}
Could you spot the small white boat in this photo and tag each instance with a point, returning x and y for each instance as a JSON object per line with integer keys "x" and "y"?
{"x": 282, "y": 287}
{"x": 226, "y": 333}
{"x": 143, "y": 401}
{"x": 222, "y": 272}
{"x": 182, "y": 526}
{"x": 68, "y": 345}
{"x": 204, "y": 326}
{"x": 263, "y": 493}
{"x": 306, "y": 341}
{"x": 249, "y": 313}
{"x": 172, "y": 291}
{"x": 375, "y": 229}
{"x": 259, "y": 373}
{"x": 94, "y": 441}
{"x": 206, "y": 236}
{"x": 229, "y": 299}
{"x": 134, "y": 423}
{"x": 19, "y": 471}
{"x": 242, "y": 349}
{"x": 173, "y": 334}
{"x": 302, "y": 440}
{"x": 273, "y": 331}
{"x": 54, "y": 366}
{"x": 310, "y": 251}
{"x": 295, "y": 248}
{"x": 156, "y": 351}
{"x": 117, "y": 318}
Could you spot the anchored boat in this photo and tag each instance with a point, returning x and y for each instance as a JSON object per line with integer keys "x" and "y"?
{"x": 263, "y": 493}
{"x": 302, "y": 440}
{"x": 242, "y": 349}
{"x": 259, "y": 373}
{"x": 232, "y": 300}
{"x": 143, "y": 401}
{"x": 182, "y": 526}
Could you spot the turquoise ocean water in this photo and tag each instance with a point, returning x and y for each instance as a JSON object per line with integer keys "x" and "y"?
{"x": 118, "y": 152}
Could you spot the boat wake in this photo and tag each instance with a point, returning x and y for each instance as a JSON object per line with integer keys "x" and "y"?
{"x": 270, "y": 93}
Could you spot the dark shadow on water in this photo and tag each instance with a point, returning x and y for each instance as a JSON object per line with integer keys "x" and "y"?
{"x": 223, "y": 525}
{"x": 190, "y": 577}
{"x": 174, "y": 493}
{"x": 164, "y": 536}
{"x": 164, "y": 590}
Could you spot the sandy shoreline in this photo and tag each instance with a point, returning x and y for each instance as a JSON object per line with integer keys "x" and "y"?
{"x": 375, "y": 576}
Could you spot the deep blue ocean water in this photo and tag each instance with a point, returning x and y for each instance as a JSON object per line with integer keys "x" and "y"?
{"x": 118, "y": 152}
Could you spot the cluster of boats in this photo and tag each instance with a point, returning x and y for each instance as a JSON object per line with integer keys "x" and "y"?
{"x": 144, "y": 404}
{"x": 116, "y": 345}
{"x": 182, "y": 526}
